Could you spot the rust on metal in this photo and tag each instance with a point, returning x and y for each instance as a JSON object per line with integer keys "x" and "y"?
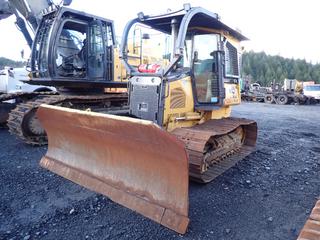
{"x": 311, "y": 230}
{"x": 133, "y": 162}
{"x": 217, "y": 145}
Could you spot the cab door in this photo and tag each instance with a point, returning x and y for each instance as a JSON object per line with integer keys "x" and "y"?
{"x": 207, "y": 70}
{"x": 96, "y": 51}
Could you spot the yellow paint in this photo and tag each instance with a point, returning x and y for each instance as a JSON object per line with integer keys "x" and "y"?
{"x": 119, "y": 70}
{"x": 186, "y": 116}
{"x": 171, "y": 115}
{"x": 151, "y": 54}
{"x": 115, "y": 90}
{"x": 222, "y": 112}
{"x": 232, "y": 94}
{"x": 119, "y": 73}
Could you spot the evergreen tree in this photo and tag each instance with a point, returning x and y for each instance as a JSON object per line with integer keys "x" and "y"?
{"x": 265, "y": 68}
{"x": 10, "y": 63}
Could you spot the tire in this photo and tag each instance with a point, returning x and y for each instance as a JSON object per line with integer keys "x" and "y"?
{"x": 296, "y": 100}
{"x": 308, "y": 101}
{"x": 312, "y": 101}
{"x": 43, "y": 89}
{"x": 269, "y": 98}
{"x": 282, "y": 99}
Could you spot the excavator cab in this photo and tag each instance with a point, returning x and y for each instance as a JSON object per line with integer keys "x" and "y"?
{"x": 73, "y": 49}
{"x": 177, "y": 123}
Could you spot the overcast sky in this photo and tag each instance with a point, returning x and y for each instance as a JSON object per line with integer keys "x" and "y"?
{"x": 287, "y": 28}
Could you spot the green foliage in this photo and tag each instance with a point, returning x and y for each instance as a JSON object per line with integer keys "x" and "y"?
{"x": 10, "y": 63}
{"x": 264, "y": 69}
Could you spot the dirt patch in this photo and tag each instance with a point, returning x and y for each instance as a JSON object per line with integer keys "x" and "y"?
{"x": 268, "y": 195}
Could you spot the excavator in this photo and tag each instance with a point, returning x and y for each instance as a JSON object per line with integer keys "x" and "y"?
{"x": 71, "y": 50}
{"x": 175, "y": 125}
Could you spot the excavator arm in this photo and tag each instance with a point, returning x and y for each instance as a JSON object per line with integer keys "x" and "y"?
{"x": 28, "y": 13}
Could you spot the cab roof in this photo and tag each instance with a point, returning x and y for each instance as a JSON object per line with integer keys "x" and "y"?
{"x": 194, "y": 17}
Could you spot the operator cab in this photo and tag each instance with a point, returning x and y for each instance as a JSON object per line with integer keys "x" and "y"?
{"x": 190, "y": 42}
{"x": 73, "y": 49}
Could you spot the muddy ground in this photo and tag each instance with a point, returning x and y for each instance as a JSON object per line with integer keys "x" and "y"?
{"x": 268, "y": 195}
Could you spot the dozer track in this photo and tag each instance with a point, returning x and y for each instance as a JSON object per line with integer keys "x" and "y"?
{"x": 23, "y": 122}
{"x": 217, "y": 145}
{"x": 311, "y": 230}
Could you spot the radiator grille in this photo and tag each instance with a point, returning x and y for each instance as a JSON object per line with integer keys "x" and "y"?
{"x": 177, "y": 98}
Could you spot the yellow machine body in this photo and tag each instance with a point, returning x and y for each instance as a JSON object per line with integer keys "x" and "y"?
{"x": 179, "y": 105}
{"x": 176, "y": 126}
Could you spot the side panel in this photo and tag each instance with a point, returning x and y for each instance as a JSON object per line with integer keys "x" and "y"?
{"x": 179, "y": 104}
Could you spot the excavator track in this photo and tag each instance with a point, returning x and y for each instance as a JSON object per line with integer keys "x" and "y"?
{"x": 217, "y": 145}
{"x": 23, "y": 122}
{"x": 6, "y": 107}
{"x": 11, "y": 96}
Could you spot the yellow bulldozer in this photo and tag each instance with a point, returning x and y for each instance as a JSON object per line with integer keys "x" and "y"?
{"x": 176, "y": 124}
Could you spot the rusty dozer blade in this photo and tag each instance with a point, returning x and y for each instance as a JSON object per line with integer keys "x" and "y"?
{"x": 133, "y": 162}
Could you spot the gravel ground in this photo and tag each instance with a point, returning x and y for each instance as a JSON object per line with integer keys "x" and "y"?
{"x": 268, "y": 195}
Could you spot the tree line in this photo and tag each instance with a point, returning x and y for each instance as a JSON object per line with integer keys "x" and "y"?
{"x": 6, "y": 62}
{"x": 265, "y": 69}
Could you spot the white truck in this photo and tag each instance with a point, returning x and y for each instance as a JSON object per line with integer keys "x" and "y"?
{"x": 11, "y": 82}
{"x": 12, "y": 90}
{"x": 312, "y": 90}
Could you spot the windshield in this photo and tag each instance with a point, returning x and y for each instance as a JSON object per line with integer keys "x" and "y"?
{"x": 312, "y": 88}
{"x": 70, "y": 50}
{"x": 148, "y": 46}
{"x": 205, "y": 68}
